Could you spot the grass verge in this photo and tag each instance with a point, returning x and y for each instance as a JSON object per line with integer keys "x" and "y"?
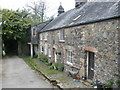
{"x": 52, "y": 74}
{"x": 34, "y": 62}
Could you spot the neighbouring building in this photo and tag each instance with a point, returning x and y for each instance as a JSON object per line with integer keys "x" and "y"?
{"x": 85, "y": 39}
{"x": 34, "y": 42}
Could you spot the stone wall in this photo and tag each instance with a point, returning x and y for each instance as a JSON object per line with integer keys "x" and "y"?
{"x": 104, "y": 37}
{"x": 101, "y": 36}
{"x": 23, "y": 49}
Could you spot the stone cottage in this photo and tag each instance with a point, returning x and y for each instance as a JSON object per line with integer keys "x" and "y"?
{"x": 34, "y": 45}
{"x": 85, "y": 39}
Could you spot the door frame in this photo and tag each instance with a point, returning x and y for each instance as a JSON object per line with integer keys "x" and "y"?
{"x": 89, "y": 69}
{"x": 55, "y": 57}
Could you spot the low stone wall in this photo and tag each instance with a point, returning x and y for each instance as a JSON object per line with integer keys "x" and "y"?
{"x": 23, "y": 49}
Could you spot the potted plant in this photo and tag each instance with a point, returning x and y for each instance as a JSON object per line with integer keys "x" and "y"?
{"x": 118, "y": 83}
{"x": 43, "y": 58}
{"x": 59, "y": 66}
{"x": 108, "y": 84}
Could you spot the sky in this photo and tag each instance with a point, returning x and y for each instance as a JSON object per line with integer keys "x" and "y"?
{"x": 52, "y": 5}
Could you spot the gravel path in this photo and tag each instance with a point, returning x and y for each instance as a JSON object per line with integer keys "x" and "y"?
{"x": 17, "y": 74}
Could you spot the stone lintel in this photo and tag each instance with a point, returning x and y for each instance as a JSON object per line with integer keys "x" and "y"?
{"x": 90, "y": 49}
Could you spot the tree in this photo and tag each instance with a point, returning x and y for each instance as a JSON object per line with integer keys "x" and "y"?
{"x": 14, "y": 25}
{"x": 0, "y": 35}
{"x": 38, "y": 11}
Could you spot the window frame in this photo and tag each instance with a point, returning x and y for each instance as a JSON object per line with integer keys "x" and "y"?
{"x": 49, "y": 52}
{"x": 45, "y": 36}
{"x": 45, "y": 50}
{"x": 40, "y": 36}
{"x": 70, "y": 57}
{"x": 42, "y": 49}
{"x": 62, "y": 35}
{"x": 34, "y": 32}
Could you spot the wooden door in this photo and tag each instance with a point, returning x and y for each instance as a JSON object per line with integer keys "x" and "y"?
{"x": 90, "y": 65}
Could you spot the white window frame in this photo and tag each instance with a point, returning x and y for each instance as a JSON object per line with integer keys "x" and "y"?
{"x": 41, "y": 49}
{"x": 61, "y": 35}
{"x": 40, "y": 36}
{"x": 45, "y": 51}
{"x": 45, "y": 36}
{"x": 49, "y": 52}
{"x": 70, "y": 57}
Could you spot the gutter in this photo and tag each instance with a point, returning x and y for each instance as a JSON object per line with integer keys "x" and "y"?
{"x": 83, "y": 23}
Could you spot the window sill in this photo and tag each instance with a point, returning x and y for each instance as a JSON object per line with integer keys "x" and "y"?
{"x": 49, "y": 56}
{"x": 62, "y": 41}
{"x": 45, "y": 39}
{"x": 69, "y": 63}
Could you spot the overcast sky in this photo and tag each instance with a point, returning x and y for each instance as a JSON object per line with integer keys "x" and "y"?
{"x": 52, "y": 5}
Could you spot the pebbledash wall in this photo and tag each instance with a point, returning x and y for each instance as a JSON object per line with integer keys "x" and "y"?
{"x": 101, "y": 38}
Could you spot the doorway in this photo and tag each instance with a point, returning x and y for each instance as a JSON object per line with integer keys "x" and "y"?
{"x": 11, "y": 47}
{"x": 90, "y": 65}
{"x": 55, "y": 55}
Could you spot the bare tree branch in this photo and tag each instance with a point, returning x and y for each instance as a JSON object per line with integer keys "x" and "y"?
{"x": 38, "y": 9}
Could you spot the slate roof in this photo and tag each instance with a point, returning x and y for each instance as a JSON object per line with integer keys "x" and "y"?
{"x": 42, "y": 25}
{"x": 89, "y": 12}
{"x": 39, "y": 27}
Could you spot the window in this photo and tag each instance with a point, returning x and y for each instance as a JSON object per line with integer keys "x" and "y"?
{"x": 41, "y": 36}
{"x": 70, "y": 57}
{"x": 42, "y": 49}
{"x": 33, "y": 32}
{"x": 45, "y": 52}
{"x": 77, "y": 18}
{"x": 61, "y": 37}
{"x": 46, "y": 35}
{"x": 49, "y": 53}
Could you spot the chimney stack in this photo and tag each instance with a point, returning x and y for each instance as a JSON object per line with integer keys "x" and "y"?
{"x": 79, "y": 3}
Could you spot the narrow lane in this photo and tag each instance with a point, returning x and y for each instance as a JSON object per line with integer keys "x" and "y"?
{"x": 17, "y": 74}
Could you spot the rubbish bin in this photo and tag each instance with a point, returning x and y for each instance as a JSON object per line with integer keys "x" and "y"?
{"x": 99, "y": 85}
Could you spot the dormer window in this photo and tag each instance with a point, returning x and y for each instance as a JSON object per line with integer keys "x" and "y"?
{"x": 61, "y": 36}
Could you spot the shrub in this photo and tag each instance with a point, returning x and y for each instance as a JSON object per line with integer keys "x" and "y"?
{"x": 46, "y": 63}
{"x": 35, "y": 56}
{"x": 108, "y": 84}
{"x": 118, "y": 83}
{"x": 43, "y": 58}
{"x": 51, "y": 67}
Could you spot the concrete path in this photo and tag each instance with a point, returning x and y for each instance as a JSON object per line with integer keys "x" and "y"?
{"x": 17, "y": 74}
